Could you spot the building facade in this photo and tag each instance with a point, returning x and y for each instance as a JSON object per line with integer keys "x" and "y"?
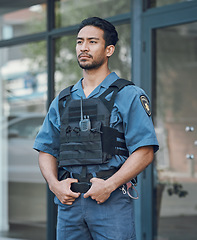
{"x": 157, "y": 50}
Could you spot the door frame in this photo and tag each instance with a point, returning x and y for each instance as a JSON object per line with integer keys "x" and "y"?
{"x": 153, "y": 19}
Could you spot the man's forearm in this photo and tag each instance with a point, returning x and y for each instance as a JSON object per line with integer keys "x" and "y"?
{"x": 48, "y": 167}
{"x": 135, "y": 164}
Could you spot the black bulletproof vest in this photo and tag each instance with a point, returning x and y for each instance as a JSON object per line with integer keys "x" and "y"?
{"x": 85, "y": 135}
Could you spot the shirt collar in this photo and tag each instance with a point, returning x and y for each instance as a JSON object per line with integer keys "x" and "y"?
{"x": 104, "y": 84}
{"x": 77, "y": 86}
{"x": 109, "y": 80}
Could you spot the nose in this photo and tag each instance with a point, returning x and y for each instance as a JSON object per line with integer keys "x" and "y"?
{"x": 84, "y": 47}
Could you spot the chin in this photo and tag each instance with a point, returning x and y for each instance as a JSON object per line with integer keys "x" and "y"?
{"x": 86, "y": 66}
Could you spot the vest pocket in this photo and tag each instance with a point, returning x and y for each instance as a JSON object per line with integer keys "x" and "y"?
{"x": 81, "y": 148}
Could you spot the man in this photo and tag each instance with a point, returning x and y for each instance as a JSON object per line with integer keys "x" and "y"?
{"x": 93, "y": 160}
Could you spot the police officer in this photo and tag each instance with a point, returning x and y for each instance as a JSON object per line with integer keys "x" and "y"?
{"x": 85, "y": 175}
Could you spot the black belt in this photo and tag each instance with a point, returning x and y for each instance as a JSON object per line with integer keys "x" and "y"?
{"x": 81, "y": 187}
{"x": 84, "y": 184}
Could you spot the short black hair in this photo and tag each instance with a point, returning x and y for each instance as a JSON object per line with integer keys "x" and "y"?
{"x": 110, "y": 33}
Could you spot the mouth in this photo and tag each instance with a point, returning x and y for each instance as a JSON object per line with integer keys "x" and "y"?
{"x": 84, "y": 56}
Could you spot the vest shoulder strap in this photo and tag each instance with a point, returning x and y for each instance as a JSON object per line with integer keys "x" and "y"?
{"x": 120, "y": 83}
{"x": 65, "y": 92}
{"x": 114, "y": 88}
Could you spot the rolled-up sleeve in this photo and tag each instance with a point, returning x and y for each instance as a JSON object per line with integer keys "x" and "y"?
{"x": 47, "y": 139}
{"x": 137, "y": 122}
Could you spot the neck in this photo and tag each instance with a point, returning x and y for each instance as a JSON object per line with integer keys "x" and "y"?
{"x": 92, "y": 78}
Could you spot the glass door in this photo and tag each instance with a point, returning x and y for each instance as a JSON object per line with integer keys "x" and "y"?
{"x": 175, "y": 120}
{"x": 23, "y": 88}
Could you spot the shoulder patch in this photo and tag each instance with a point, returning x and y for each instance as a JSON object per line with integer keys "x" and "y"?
{"x": 145, "y": 104}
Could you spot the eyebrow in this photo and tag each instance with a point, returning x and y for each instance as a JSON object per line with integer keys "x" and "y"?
{"x": 90, "y": 38}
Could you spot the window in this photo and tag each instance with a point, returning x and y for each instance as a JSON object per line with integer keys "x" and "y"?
{"x": 21, "y": 18}
{"x": 71, "y": 12}
{"x": 160, "y": 3}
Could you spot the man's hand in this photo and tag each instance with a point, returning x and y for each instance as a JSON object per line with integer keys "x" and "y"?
{"x": 99, "y": 190}
{"x": 62, "y": 191}
{"x": 135, "y": 163}
{"x": 48, "y": 167}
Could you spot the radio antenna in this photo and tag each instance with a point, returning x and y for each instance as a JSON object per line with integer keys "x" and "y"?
{"x": 84, "y": 124}
{"x": 81, "y": 108}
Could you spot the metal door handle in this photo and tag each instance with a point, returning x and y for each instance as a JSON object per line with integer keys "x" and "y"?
{"x": 189, "y": 156}
{"x": 189, "y": 128}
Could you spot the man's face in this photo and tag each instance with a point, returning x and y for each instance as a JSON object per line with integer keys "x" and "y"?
{"x": 90, "y": 48}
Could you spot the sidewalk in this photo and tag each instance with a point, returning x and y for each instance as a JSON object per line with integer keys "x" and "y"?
{"x": 24, "y": 232}
{"x": 2, "y": 238}
{"x": 178, "y": 228}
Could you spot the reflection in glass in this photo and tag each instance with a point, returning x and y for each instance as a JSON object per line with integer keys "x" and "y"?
{"x": 17, "y": 21}
{"x": 160, "y": 3}
{"x": 67, "y": 70}
{"x": 71, "y": 12}
{"x": 176, "y": 112}
{"x": 23, "y": 90}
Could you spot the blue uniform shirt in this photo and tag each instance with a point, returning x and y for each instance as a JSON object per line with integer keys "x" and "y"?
{"x": 128, "y": 116}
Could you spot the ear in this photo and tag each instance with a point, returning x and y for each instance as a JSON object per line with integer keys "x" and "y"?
{"x": 110, "y": 50}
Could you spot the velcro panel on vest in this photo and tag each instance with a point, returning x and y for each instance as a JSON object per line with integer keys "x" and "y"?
{"x": 111, "y": 144}
{"x": 91, "y": 108}
{"x": 75, "y": 113}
